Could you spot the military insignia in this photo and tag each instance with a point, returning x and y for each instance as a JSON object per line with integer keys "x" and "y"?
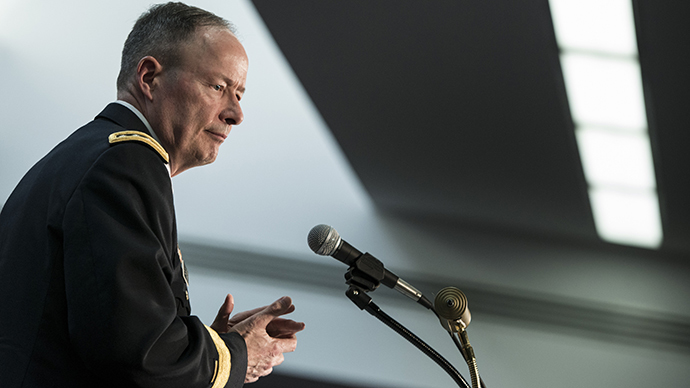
{"x": 223, "y": 364}
{"x": 185, "y": 273}
{"x": 123, "y": 136}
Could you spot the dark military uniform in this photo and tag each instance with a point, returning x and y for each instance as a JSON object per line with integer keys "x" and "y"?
{"x": 92, "y": 286}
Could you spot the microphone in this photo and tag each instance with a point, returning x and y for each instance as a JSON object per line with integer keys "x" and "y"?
{"x": 451, "y": 307}
{"x": 325, "y": 241}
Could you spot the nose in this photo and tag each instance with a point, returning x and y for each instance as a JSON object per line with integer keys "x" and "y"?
{"x": 232, "y": 114}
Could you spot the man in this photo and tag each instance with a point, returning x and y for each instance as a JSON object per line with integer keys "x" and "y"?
{"x": 93, "y": 286}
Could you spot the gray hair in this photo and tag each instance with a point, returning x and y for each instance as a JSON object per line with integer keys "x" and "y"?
{"x": 160, "y": 33}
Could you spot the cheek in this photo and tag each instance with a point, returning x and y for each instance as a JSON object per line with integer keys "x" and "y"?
{"x": 201, "y": 107}
{"x": 192, "y": 117}
{"x": 191, "y": 112}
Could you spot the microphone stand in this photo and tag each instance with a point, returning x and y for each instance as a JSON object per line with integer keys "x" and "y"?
{"x": 364, "y": 302}
{"x": 360, "y": 282}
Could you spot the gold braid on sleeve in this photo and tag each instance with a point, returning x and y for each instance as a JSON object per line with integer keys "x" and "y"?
{"x": 221, "y": 373}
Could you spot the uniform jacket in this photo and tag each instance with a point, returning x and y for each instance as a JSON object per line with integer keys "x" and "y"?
{"x": 92, "y": 286}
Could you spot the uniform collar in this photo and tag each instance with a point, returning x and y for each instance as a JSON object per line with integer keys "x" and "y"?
{"x": 141, "y": 117}
{"x": 128, "y": 117}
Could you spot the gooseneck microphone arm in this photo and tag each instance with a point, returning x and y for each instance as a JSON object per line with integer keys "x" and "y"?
{"x": 364, "y": 302}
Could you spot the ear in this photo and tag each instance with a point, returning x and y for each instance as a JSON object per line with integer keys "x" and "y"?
{"x": 148, "y": 70}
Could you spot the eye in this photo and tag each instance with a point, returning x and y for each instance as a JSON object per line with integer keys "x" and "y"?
{"x": 217, "y": 88}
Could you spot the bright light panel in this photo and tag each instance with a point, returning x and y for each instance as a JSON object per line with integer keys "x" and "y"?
{"x": 604, "y": 85}
{"x": 613, "y": 158}
{"x": 627, "y": 217}
{"x": 604, "y": 91}
{"x": 605, "y": 26}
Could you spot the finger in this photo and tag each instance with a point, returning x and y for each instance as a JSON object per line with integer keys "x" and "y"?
{"x": 285, "y": 336}
{"x": 281, "y": 327}
{"x": 275, "y": 309}
{"x": 264, "y": 367}
{"x": 220, "y": 324}
{"x": 253, "y": 375}
{"x": 278, "y": 323}
{"x": 264, "y": 317}
{"x": 290, "y": 309}
{"x": 239, "y": 317}
{"x": 266, "y": 372}
{"x": 280, "y": 307}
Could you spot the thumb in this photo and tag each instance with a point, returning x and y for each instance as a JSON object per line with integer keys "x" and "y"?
{"x": 220, "y": 324}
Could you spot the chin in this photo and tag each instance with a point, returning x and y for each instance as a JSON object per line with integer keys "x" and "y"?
{"x": 210, "y": 159}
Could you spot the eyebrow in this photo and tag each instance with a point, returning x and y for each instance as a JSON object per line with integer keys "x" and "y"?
{"x": 230, "y": 81}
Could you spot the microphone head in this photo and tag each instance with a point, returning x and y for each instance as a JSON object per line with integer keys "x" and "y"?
{"x": 323, "y": 240}
{"x": 451, "y": 304}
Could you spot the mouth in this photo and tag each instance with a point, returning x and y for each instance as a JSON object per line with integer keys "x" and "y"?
{"x": 218, "y": 136}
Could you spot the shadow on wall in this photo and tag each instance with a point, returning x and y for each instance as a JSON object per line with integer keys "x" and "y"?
{"x": 541, "y": 311}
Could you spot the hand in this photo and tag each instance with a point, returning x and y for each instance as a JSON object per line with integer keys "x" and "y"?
{"x": 266, "y": 335}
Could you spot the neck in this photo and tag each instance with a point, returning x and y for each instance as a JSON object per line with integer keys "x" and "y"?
{"x": 131, "y": 98}
{"x": 138, "y": 102}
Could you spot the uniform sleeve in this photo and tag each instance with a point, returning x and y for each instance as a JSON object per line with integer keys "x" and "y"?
{"x": 120, "y": 260}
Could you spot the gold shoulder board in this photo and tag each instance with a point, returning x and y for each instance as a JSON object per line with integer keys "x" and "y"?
{"x": 121, "y": 136}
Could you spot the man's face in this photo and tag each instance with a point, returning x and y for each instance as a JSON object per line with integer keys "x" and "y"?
{"x": 195, "y": 105}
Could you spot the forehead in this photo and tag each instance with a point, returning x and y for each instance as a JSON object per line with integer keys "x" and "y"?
{"x": 216, "y": 50}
